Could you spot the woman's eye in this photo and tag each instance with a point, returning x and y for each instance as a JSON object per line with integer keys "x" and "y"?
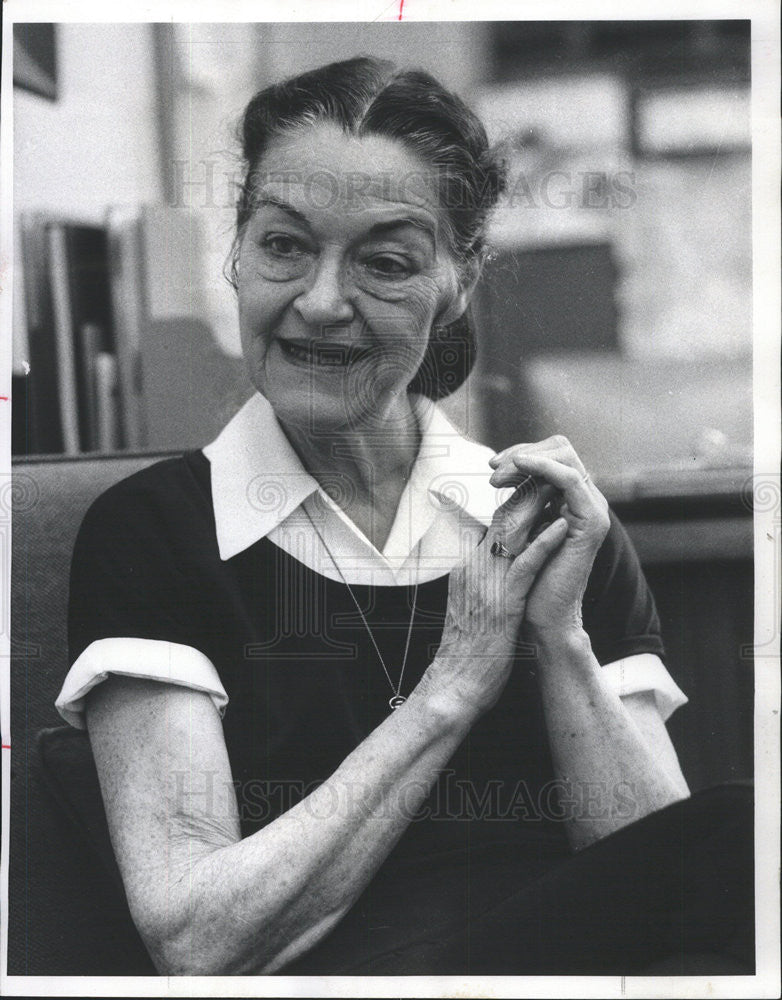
{"x": 389, "y": 267}
{"x": 282, "y": 245}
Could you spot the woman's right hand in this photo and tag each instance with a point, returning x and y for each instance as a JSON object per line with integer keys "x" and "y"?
{"x": 486, "y": 600}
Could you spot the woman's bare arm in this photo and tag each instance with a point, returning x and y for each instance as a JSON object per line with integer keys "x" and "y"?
{"x": 611, "y": 770}
{"x": 206, "y": 901}
{"x": 643, "y": 710}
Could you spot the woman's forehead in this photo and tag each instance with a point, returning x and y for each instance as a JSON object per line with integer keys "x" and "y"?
{"x": 321, "y": 169}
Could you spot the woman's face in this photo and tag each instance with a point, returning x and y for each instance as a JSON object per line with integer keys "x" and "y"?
{"x": 343, "y": 269}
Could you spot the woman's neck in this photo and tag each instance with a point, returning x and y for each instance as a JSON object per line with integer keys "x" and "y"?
{"x": 364, "y": 468}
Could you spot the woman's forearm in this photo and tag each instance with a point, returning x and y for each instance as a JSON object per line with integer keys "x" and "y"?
{"x": 205, "y": 900}
{"x": 256, "y": 904}
{"x": 606, "y": 772}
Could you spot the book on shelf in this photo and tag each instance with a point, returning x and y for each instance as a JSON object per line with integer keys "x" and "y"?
{"x": 129, "y": 308}
{"x": 79, "y": 274}
{"x": 67, "y": 312}
{"x": 90, "y": 340}
{"x": 111, "y": 335}
{"x": 62, "y": 328}
{"x": 107, "y": 401}
{"x": 39, "y": 409}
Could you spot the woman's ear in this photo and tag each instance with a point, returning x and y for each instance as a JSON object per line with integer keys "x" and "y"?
{"x": 466, "y": 279}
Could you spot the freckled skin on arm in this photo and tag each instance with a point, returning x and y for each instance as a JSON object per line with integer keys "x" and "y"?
{"x": 206, "y": 902}
{"x": 595, "y": 737}
{"x": 600, "y": 740}
{"x": 642, "y": 708}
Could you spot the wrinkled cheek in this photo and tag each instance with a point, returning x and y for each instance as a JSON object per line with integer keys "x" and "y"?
{"x": 403, "y": 341}
{"x": 405, "y": 321}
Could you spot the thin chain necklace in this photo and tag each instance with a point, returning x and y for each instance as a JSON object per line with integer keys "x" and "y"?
{"x": 396, "y": 698}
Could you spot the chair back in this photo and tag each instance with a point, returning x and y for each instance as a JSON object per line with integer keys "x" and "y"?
{"x": 67, "y": 912}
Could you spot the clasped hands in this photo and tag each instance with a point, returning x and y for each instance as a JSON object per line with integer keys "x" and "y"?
{"x": 530, "y": 568}
{"x": 555, "y": 500}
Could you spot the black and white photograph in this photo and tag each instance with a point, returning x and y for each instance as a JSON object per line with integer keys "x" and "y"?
{"x": 390, "y": 533}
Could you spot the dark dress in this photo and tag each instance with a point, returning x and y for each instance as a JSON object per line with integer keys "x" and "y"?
{"x": 305, "y": 688}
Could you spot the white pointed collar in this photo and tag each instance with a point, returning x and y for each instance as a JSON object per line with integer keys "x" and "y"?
{"x": 258, "y": 479}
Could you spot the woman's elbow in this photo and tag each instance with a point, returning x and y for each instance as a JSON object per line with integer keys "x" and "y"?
{"x": 192, "y": 940}
{"x": 181, "y": 942}
{"x": 189, "y": 929}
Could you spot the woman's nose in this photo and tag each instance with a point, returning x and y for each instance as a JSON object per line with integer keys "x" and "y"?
{"x": 325, "y": 300}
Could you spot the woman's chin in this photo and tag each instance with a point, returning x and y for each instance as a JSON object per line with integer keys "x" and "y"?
{"x": 323, "y": 399}
{"x": 314, "y": 416}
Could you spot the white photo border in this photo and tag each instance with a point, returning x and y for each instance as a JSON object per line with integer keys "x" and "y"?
{"x": 768, "y": 526}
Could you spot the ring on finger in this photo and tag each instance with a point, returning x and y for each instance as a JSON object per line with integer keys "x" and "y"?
{"x": 498, "y": 549}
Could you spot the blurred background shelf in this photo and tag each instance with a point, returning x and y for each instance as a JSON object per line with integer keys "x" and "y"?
{"x": 616, "y": 307}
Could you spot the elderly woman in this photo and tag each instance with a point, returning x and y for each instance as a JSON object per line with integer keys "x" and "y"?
{"x": 352, "y": 709}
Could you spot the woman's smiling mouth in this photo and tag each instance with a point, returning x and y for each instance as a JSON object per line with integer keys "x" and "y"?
{"x": 322, "y": 353}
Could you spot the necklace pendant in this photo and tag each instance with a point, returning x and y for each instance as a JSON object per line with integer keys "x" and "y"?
{"x": 396, "y": 701}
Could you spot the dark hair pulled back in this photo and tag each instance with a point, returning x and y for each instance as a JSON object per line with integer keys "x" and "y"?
{"x": 368, "y": 96}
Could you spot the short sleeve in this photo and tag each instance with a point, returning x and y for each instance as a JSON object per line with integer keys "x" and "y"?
{"x": 147, "y": 659}
{"x": 645, "y": 672}
{"x": 619, "y": 612}
{"x": 133, "y": 607}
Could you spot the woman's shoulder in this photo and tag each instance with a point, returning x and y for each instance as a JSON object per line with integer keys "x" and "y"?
{"x": 169, "y": 491}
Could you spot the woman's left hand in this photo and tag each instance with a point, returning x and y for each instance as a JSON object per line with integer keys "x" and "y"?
{"x": 554, "y": 603}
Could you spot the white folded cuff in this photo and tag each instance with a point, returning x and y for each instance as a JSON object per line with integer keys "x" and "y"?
{"x": 175, "y": 663}
{"x": 645, "y": 672}
{"x": 147, "y": 659}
